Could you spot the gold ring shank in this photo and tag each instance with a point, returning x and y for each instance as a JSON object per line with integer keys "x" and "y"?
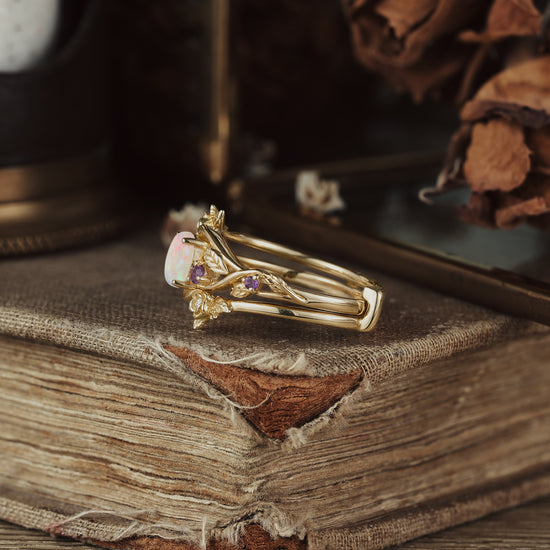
{"x": 300, "y": 314}
{"x": 305, "y": 278}
{"x": 299, "y": 257}
{"x": 352, "y": 307}
{"x": 322, "y": 300}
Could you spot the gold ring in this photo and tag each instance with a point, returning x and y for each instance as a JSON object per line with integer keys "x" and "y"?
{"x": 204, "y": 265}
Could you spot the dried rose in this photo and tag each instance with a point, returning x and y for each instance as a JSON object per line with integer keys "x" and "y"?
{"x": 502, "y": 150}
{"x": 414, "y": 44}
{"x": 512, "y": 34}
{"x": 421, "y": 45}
{"x": 519, "y": 93}
{"x": 507, "y": 18}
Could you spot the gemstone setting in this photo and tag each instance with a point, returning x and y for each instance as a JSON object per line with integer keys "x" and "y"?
{"x": 197, "y": 272}
{"x": 179, "y": 259}
{"x": 251, "y": 283}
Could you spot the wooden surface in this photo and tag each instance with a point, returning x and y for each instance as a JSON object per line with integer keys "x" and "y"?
{"x": 524, "y": 528}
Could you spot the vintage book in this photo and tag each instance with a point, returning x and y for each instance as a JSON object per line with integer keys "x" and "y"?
{"x": 525, "y": 527}
{"x": 123, "y": 426}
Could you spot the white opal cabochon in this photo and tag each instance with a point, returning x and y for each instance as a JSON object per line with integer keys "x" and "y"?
{"x": 179, "y": 259}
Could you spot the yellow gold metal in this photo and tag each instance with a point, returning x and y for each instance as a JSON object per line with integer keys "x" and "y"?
{"x": 343, "y": 299}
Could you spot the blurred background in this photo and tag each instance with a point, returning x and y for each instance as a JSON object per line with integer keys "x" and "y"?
{"x": 425, "y": 122}
{"x": 106, "y": 105}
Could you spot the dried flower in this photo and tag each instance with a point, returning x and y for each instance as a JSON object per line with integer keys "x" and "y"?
{"x": 318, "y": 196}
{"x": 414, "y": 44}
{"x": 420, "y": 46}
{"x": 507, "y": 18}
{"x": 502, "y": 150}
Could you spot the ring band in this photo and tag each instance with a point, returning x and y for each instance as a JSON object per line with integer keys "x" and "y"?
{"x": 205, "y": 264}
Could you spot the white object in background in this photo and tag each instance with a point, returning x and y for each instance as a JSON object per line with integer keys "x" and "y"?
{"x": 27, "y": 32}
{"x": 185, "y": 219}
{"x": 317, "y": 195}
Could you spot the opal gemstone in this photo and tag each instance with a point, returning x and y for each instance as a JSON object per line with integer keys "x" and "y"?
{"x": 179, "y": 259}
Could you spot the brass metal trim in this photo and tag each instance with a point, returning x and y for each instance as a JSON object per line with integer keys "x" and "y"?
{"x": 46, "y": 179}
{"x": 217, "y": 145}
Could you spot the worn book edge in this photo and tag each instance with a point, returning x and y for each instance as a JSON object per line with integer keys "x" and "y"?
{"x": 270, "y": 519}
{"x": 273, "y": 403}
{"x": 61, "y": 519}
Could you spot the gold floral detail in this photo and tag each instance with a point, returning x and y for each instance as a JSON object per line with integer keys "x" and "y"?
{"x": 214, "y": 218}
{"x": 206, "y": 307}
{"x": 219, "y": 272}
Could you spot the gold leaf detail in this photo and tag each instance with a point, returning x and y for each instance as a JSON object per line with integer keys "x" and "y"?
{"x": 215, "y": 262}
{"x": 200, "y": 322}
{"x": 280, "y": 286}
{"x": 240, "y": 291}
{"x": 196, "y": 304}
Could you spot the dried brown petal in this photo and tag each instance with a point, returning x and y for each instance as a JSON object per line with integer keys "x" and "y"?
{"x": 479, "y": 211}
{"x": 456, "y": 149}
{"x": 539, "y": 142}
{"x": 516, "y": 214}
{"x": 507, "y": 210}
{"x": 413, "y": 44}
{"x": 450, "y": 173}
{"x": 448, "y": 17}
{"x": 403, "y": 15}
{"x": 521, "y": 92}
{"x": 538, "y": 185}
{"x": 508, "y": 18}
{"x": 497, "y": 158}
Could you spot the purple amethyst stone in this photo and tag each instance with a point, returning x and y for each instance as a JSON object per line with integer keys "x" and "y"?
{"x": 197, "y": 272}
{"x": 251, "y": 283}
